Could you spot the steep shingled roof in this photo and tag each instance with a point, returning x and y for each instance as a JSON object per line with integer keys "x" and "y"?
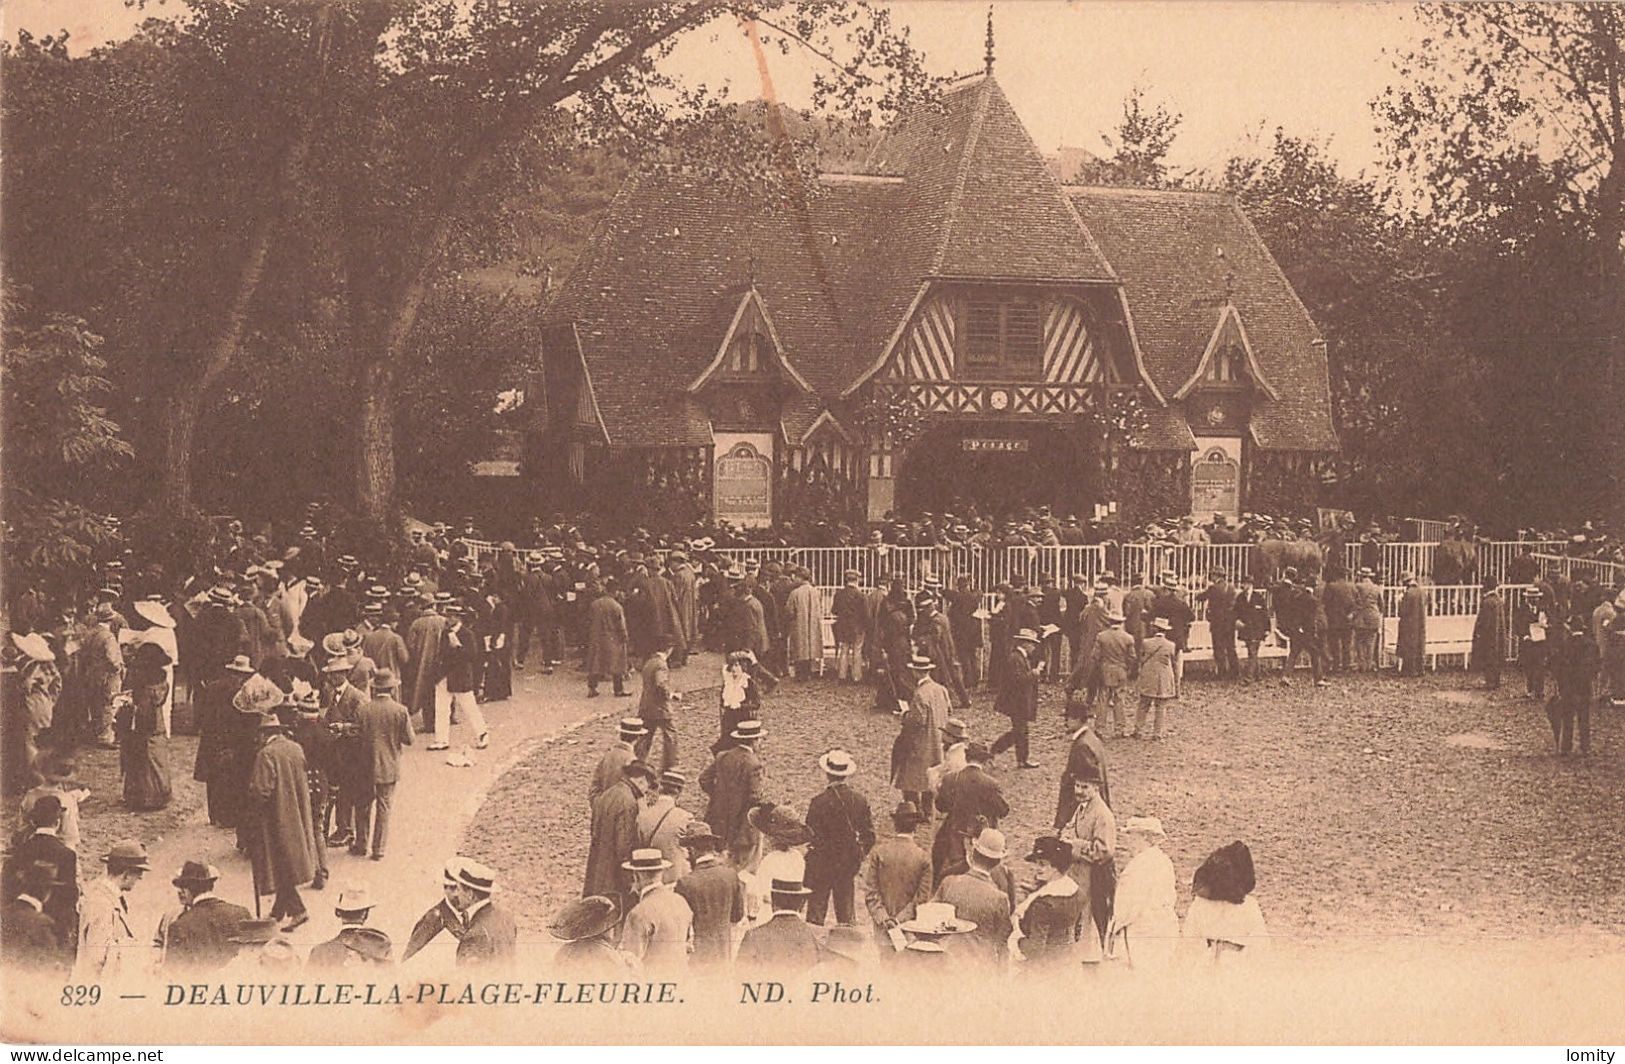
{"x": 1165, "y": 245}
{"x": 956, "y": 190}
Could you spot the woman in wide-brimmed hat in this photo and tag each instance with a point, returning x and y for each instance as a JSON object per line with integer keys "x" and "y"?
{"x": 587, "y": 927}
{"x": 139, "y": 724}
{"x": 1224, "y": 922}
{"x": 784, "y": 839}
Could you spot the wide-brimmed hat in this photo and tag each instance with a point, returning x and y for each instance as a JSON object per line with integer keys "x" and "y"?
{"x": 194, "y": 874}
{"x": 1026, "y": 635}
{"x": 956, "y": 731}
{"x": 352, "y": 900}
{"x": 368, "y": 943}
{"x": 778, "y": 824}
{"x": 907, "y": 813}
{"x": 338, "y": 664}
{"x": 154, "y": 612}
{"x": 748, "y": 729}
{"x": 254, "y": 932}
{"x": 990, "y": 844}
{"x": 33, "y": 646}
{"x": 649, "y": 860}
{"x": 921, "y": 663}
{"x": 351, "y": 637}
{"x": 299, "y": 646}
{"x": 127, "y": 855}
{"x": 1143, "y": 825}
{"x": 837, "y": 763}
{"x": 633, "y": 728}
{"x": 936, "y": 918}
{"x": 333, "y": 644}
{"x": 584, "y": 918}
{"x": 257, "y": 695}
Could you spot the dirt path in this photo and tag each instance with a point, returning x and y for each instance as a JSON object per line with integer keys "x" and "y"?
{"x": 434, "y": 803}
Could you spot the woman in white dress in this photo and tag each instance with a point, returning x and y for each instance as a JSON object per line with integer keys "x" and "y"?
{"x": 784, "y": 840}
{"x": 1145, "y": 928}
{"x": 1224, "y": 923}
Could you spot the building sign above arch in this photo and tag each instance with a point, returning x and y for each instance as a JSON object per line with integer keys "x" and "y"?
{"x": 742, "y": 479}
{"x": 1216, "y": 476}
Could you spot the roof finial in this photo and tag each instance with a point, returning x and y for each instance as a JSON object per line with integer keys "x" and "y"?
{"x": 990, "y": 40}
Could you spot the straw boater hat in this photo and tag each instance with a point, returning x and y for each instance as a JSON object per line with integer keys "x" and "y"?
{"x": 672, "y": 778}
{"x": 936, "y": 918}
{"x": 747, "y": 729}
{"x": 222, "y": 595}
{"x": 584, "y": 918}
{"x": 837, "y": 763}
{"x": 471, "y": 873}
{"x": 650, "y": 860}
{"x": 921, "y": 663}
{"x": 1116, "y": 617}
{"x": 633, "y": 728}
{"x": 195, "y": 875}
{"x": 1162, "y": 624}
{"x": 1026, "y": 635}
{"x": 1143, "y": 825}
{"x": 787, "y": 886}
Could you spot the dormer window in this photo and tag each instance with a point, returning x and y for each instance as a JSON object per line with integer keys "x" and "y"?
{"x": 1228, "y": 367}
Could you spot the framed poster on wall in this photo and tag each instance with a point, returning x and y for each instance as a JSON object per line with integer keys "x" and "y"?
{"x": 1216, "y": 476}
{"x": 742, "y": 479}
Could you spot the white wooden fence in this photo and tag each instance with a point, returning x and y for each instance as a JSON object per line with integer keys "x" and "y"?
{"x": 1597, "y": 571}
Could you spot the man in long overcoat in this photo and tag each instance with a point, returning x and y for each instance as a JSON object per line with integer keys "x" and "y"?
{"x": 935, "y": 638}
{"x": 843, "y": 831}
{"x": 685, "y": 599}
{"x": 971, "y": 800}
{"x": 1413, "y": 628}
{"x": 423, "y": 641}
{"x": 606, "y": 642}
{"x": 283, "y": 850}
{"x": 1489, "y": 635}
{"x": 804, "y": 626}
{"x": 1017, "y": 697}
{"x": 734, "y": 783}
{"x": 615, "y": 833}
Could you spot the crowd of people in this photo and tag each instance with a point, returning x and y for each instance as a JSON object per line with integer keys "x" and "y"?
{"x": 305, "y": 671}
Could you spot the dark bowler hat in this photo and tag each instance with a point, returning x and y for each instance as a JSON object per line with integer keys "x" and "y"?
{"x": 126, "y": 855}
{"x": 254, "y": 932}
{"x": 368, "y": 943}
{"x": 1050, "y": 849}
{"x": 978, "y": 752}
{"x": 907, "y": 816}
{"x": 584, "y": 918}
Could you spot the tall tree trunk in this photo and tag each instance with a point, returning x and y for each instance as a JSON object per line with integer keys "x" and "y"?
{"x": 180, "y": 425}
{"x": 375, "y": 468}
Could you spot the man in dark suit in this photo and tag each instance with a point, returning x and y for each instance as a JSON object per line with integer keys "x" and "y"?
{"x": 654, "y": 705}
{"x": 44, "y": 846}
{"x": 1085, "y": 760}
{"x": 29, "y": 939}
{"x": 490, "y": 936}
{"x": 785, "y": 944}
{"x": 1221, "y": 622}
{"x": 842, "y": 830}
{"x": 713, "y": 892}
{"x": 896, "y": 874}
{"x": 971, "y": 800}
{"x": 1017, "y": 696}
{"x": 200, "y": 938}
{"x": 734, "y": 783}
{"x": 385, "y": 726}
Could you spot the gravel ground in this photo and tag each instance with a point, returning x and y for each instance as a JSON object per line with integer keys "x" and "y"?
{"x": 103, "y": 818}
{"x": 1405, "y": 810}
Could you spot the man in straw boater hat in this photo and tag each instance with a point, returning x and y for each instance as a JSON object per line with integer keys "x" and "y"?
{"x": 660, "y": 924}
{"x": 784, "y": 944}
{"x": 1017, "y": 696}
{"x": 733, "y": 782}
{"x": 661, "y": 821}
{"x": 714, "y": 893}
{"x": 283, "y": 843}
{"x": 353, "y": 908}
{"x": 974, "y": 894}
{"x": 896, "y": 873}
{"x": 102, "y": 666}
{"x": 842, "y": 831}
{"x": 587, "y": 927}
{"x": 918, "y": 745}
{"x": 614, "y": 831}
{"x": 485, "y": 934}
{"x": 348, "y": 773}
{"x": 460, "y": 658}
{"x": 104, "y": 933}
{"x": 384, "y": 727}
{"x": 198, "y": 938}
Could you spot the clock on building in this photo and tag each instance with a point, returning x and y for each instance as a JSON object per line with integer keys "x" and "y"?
{"x": 998, "y": 400}
{"x": 1216, "y": 416}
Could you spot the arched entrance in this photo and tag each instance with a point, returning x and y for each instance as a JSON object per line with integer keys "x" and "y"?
{"x": 1001, "y": 467}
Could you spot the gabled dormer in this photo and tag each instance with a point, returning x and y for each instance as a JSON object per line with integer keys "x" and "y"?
{"x": 750, "y": 350}
{"x": 1227, "y": 381}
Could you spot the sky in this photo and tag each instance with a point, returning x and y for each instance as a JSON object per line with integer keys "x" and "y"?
{"x": 1235, "y": 69}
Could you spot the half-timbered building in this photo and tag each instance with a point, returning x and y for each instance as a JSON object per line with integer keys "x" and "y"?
{"x": 950, "y": 325}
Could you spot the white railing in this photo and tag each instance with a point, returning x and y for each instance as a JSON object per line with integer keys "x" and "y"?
{"x": 1428, "y": 530}
{"x": 1595, "y": 570}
